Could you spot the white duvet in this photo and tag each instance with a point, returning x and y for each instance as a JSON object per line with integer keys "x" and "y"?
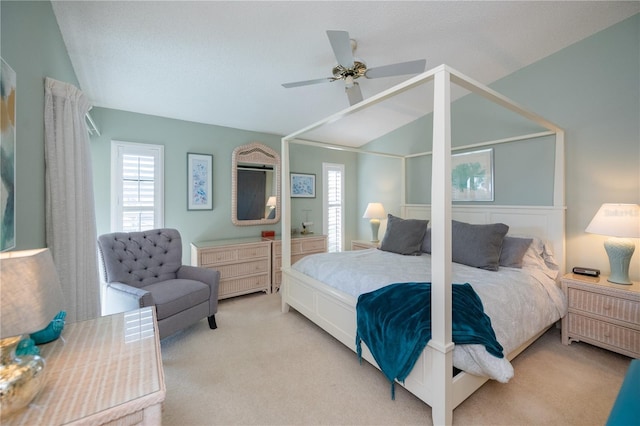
{"x": 519, "y": 302}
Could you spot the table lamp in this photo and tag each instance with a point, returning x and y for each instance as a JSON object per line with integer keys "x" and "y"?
{"x": 30, "y": 297}
{"x": 375, "y": 212}
{"x": 271, "y": 203}
{"x": 621, "y": 222}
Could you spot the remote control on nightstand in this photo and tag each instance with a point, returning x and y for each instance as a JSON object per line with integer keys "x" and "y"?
{"x": 591, "y": 272}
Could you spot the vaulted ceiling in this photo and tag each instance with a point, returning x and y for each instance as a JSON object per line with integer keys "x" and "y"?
{"x": 223, "y": 62}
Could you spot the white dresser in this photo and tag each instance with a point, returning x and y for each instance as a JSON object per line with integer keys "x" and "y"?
{"x": 244, "y": 264}
{"x": 301, "y": 246}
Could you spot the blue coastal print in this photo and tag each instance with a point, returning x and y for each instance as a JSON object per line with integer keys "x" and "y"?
{"x": 302, "y": 185}
{"x": 200, "y": 178}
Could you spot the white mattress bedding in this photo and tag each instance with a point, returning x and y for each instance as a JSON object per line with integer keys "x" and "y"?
{"x": 520, "y": 302}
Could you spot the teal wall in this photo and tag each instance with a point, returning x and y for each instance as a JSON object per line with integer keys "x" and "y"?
{"x": 32, "y": 45}
{"x": 180, "y": 137}
{"x": 592, "y": 90}
{"x": 308, "y": 159}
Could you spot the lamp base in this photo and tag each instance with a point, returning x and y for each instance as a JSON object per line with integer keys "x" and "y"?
{"x": 375, "y": 226}
{"x": 21, "y": 378}
{"x": 619, "y": 251}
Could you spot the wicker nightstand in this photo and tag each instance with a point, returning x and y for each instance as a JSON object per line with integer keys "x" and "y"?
{"x": 602, "y": 314}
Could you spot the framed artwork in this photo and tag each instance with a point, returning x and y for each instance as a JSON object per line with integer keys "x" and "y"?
{"x": 472, "y": 176}
{"x": 7, "y": 156}
{"x": 199, "y": 181}
{"x": 303, "y": 185}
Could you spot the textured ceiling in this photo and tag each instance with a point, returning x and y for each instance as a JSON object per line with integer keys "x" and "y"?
{"x": 223, "y": 62}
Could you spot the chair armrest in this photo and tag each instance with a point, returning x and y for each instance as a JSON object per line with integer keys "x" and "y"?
{"x": 211, "y": 277}
{"x": 120, "y": 297}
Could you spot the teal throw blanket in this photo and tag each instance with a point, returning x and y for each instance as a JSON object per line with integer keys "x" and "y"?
{"x": 395, "y": 324}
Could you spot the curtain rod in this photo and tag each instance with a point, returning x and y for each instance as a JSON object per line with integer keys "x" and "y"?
{"x": 91, "y": 125}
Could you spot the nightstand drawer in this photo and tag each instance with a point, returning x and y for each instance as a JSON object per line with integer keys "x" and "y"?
{"x": 603, "y": 332}
{"x": 604, "y": 305}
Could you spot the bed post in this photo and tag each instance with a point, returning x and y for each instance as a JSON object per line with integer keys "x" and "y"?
{"x": 285, "y": 230}
{"x": 442, "y": 407}
{"x": 558, "y": 196}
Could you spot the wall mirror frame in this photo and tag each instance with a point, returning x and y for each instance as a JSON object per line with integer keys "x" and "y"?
{"x": 247, "y": 199}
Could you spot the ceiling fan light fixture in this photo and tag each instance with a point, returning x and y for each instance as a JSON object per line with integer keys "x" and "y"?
{"x": 348, "y": 81}
{"x": 351, "y": 68}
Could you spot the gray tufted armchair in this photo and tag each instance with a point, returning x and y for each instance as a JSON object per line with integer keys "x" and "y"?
{"x": 145, "y": 269}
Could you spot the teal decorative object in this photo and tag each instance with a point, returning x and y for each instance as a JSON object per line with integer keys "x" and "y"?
{"x": 27, "y": 347}
{"x": 52, "y": 331}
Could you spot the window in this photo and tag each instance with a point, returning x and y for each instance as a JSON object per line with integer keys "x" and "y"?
{"x": 137, "y": 186}
{"x": 333, "y": 200}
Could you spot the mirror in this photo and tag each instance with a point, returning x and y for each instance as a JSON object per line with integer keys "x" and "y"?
{"x": 255, "y": 185}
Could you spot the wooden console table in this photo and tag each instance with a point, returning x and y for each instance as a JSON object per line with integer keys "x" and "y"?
{"x": 106, "y": 371}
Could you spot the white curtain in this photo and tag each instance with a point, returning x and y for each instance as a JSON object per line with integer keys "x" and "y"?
{"x": 70, "y": 212}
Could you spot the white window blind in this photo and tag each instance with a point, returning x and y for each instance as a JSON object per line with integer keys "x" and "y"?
{"x": 137, "y": 186}
{"x": 333, "y": 205}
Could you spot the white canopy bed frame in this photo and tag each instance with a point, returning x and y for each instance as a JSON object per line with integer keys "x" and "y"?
{"x": 431, "y": 379}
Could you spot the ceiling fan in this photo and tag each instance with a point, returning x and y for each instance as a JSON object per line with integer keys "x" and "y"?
{"x": 350, "y": 69}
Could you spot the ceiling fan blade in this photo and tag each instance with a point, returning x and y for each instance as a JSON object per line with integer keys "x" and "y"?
{"x": 402, "y": 68}
{"x": 354, "y": 94}
{"x": 341, "y": 45}
{"x": 308, "y": 82}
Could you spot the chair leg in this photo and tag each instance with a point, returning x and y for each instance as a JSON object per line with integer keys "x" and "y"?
{"x": 212, "y": 322}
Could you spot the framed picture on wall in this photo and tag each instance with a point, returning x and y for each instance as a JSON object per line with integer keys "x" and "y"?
{"x": 303, "y": 185}
{"x": 472, "y": 176}
{"x": 199, "y": 181}
{"x": 7, "y": 153}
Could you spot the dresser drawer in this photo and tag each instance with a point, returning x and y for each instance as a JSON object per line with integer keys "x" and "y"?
{"x": 296, "y": 246}
{"x": 227, "y": 254}
{"x": 605, "y": 305}
{"x": 613, "y": 335}
{"x": 238, "y": 286}
{"x": 246, "y": 268}
{"x": 312, "y": 246}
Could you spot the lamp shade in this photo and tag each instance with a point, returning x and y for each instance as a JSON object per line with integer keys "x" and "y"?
{"x": 30, "y": 293}
{"x": 616, "y": 220}
{"x": 374, "y": 211}
{"x": 271, "y": 202}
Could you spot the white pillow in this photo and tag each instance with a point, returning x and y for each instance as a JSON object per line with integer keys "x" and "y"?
{"x": 539, "y": 255}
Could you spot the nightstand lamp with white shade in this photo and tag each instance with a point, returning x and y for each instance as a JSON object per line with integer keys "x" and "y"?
{"x": 621, "y": 222}
{"x": 375, "y": 212}
{"x": 30, "y": 297}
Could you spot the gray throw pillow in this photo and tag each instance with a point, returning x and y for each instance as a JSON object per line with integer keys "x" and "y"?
{"x": 513, "y": 250}
{"x": 426, "y": 242}
{"x": 404, "y": 236}
{"x": 477, "y": 245}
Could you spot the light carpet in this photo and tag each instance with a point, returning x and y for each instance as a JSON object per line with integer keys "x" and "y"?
{"x": 263, "y": 367}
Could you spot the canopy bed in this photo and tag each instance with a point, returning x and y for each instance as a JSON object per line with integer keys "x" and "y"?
{"x": 432, "y": 378}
